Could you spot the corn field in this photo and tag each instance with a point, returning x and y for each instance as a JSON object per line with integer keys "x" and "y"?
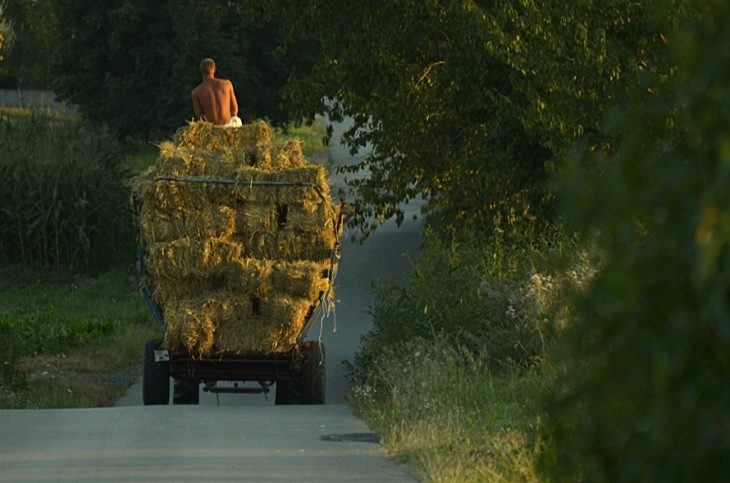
{"x": 63, "y": 199}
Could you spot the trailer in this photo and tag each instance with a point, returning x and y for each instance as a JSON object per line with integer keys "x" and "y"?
{"x": 298, "y": 375}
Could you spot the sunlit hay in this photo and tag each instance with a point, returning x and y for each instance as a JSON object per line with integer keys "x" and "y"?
{"x": 184, "y": 162}
{"x": 300, "y": 279}
{"x": 204, "y": 135}
{"x": 242, "y": 277}
{"x": 274, "y": 329}
{"x": 258, "y": 156}
{"x": 287, "y": 155}
{"x": 156, "y": 226}
{"x": 311, "y": 217}
{"x": 167, "y": 149}
{"x": 189, "y": 328}
{"x": 187, "y": 257}
{"x": 191, "y": 323}
{"x": 249, "y": 276}
{"x": 230, "y": 261}
{"x": 253, "y": 218}
{"x": 173, "y": 195}
{"x": 289, "y": 245}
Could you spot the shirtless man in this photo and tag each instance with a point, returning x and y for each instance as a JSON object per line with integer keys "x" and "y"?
{"x": 214, "y": 100}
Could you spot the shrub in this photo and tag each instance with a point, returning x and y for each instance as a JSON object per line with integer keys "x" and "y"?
{"x": 65, "y": 203}
{"x": 469, "y": 292}
{"x": 645, "y": 394}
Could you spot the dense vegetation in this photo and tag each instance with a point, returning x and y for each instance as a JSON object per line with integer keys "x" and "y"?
{"x": 645, "y": 396}
{"x": 471, "y": 104}
{"x": 131, "y": 64}
{"x": 64, "y": 198}
{"x": 641, "y": 93}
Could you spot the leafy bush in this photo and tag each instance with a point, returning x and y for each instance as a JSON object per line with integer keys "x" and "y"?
{"x": 645, "y": 395}
{"x": 65, "y": 203}
{"x": 49, "y": 331}
{"x": 468, "y": 292}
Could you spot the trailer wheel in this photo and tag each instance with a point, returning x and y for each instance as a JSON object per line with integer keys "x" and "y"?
{"x": 186, "y": 391}
{"x": 309, "y": 386}
{"x": 314, "y": 372}
{"x": 288, "y": 392}
{"x": 156, "y": 377}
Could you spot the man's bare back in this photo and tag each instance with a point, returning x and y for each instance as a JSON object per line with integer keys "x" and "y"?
{"x": 214, "y": 100}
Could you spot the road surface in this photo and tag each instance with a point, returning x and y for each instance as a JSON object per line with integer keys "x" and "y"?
{"x": 230, "y": 437}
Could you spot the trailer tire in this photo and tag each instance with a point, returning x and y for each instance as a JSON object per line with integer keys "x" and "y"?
{"x": 288, "y": 392}
{"x": 314, "y": 372}
{"x": 156, "y": 377}
{"x": 309, "y": 387}
{"x": 186, "y": 391}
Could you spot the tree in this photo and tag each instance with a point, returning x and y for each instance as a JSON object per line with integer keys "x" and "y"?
{"x": 32, "y": 37}
{"x": 469, "y": 104}
{"x": 645, "y": 394}
{"x": 133, "y": 63}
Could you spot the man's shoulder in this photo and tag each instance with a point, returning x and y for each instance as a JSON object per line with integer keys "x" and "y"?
{"x": 197, "y": 89}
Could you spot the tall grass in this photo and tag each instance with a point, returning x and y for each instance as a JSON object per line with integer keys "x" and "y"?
{"x": 64, "y": 203}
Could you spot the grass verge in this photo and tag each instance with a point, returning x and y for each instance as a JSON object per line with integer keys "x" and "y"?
{"x": 69, "y": 340}
{"x": 451, "y": 418}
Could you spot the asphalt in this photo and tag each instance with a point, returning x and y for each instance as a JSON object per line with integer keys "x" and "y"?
{"x": 231, "y": 437}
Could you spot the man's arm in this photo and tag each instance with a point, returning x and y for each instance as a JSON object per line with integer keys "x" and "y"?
{"x": 234, "y": 102}
{"x": 197, "y": 107}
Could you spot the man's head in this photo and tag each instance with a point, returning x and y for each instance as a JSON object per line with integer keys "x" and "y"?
{"x": 207, "y": 66}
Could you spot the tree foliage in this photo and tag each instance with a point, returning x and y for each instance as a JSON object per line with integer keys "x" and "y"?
{"x": 469, "y": 104}
{"x": 31, "y": 38}
{"x": 646, "y": 395}
{"x": 133, "y": 63}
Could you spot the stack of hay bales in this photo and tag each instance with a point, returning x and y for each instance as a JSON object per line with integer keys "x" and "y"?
{"x": 235, "y": 266}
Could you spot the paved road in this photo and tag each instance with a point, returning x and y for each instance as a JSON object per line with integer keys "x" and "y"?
{"x": 233, "y": 437}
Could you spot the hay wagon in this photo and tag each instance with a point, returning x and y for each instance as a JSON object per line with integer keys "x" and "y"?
{"x": 237, "y": 255}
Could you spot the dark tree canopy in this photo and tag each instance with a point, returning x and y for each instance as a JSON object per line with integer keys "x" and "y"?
{"x": 470, "y": 103}
{"x": 133, "y": 63}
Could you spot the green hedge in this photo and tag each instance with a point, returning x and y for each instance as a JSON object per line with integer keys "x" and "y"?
{"x": 646, "y": 393}
{"x": 64, "y": 199}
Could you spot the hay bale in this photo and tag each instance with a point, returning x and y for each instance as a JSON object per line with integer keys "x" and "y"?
{"x": 187, "y": 257}
{"x": 206, "y": 136}
{"x": 300, "y": 279}
{"x": 159, "y": 226}
{"x": 274, "y": 329}
{"x": 222, "y": 323}
{"x": 243, "y": 276}
{"x": 235, "y": 267}
{"x": 287, "y": 155}
{"x": 171, "y": 195}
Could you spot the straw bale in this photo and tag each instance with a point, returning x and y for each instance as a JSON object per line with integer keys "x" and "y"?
{"x": 213, "y": 222}
{"x": 157, "y": 226}
{"x": 187, "y": 257}
{"x": 204, "y": 135}
{"x": 253, "y": 218}
{"x": 287, "y": 155}
{"x": 274, "y": 329}
{"x": 188, "y": 328}
{"x": 300, "y": 279}
{"x": 289, "y": 245}
{"x": 225, "y": 324}
{"x": 311, "y": 217}
{"x": 235, "y": 267}
{"x": 171, "y": 195}
{"x": 243, "y": 276}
